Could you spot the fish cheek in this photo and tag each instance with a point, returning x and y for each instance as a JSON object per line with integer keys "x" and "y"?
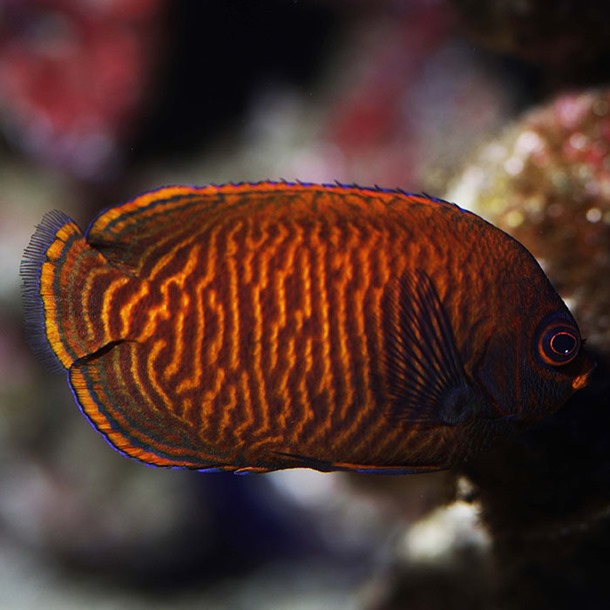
{"x": 551, "y": 387}
{"x": 496, "y": 373}
{"x": 517, "y": 385}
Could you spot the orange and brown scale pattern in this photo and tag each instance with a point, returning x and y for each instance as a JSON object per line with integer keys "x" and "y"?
{"x": 275, "y": 325}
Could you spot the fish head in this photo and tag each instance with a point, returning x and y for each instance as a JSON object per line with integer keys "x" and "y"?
{"x": 526, "y": 376}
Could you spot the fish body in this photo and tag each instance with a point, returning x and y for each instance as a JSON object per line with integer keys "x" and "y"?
{"x": 275, "y": 325}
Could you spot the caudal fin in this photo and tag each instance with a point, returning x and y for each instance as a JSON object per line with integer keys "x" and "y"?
{"x": 63, "y": 279}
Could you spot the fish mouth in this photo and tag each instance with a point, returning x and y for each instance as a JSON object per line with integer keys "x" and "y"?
{"x": 580, "y": 382}
{"x": 582, "y": 379}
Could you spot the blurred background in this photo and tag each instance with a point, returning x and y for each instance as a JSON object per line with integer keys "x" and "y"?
{"x": 502, "y": 107}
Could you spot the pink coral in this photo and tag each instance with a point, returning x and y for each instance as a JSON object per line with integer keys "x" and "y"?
{"x": 74, "y": 77}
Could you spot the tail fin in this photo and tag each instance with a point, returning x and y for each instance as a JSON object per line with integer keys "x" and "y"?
{"x": 63, "y": 277}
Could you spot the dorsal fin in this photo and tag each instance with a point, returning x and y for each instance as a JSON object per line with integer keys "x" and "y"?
{"x": 124, "y": 232}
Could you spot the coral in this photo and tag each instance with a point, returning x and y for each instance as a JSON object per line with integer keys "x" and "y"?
{"x": 74, "y": 77}
{"x": 545, "y": 494}
{"x": 546, "y": 181}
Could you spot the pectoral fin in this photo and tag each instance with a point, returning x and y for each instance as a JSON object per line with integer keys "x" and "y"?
{"x": 425, "y": 377}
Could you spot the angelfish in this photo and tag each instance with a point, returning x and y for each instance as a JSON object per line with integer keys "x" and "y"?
{"x": 255, "y": 327}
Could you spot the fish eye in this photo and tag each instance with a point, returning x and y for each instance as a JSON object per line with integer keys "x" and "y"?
{"x": 559, "y": 343}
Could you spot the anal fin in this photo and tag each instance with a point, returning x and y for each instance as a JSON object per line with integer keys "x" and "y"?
{"x": 116, "y": 393}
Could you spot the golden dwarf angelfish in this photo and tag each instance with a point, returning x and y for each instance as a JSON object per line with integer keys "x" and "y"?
{"x": 276, "y": 325}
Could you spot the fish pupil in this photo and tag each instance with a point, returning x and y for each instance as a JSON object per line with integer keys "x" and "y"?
{"x": 563, "y": 343}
